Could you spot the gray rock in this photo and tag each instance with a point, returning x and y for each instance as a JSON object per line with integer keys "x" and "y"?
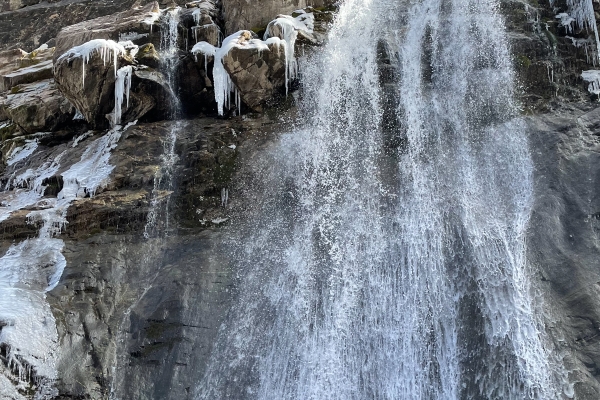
{"x": 257, "y": 73}
{"x": 135, "y": 25}
{"x": 34, "y": 73}
{"x": 38, "y": 107}
{"x": 94, "y": 97}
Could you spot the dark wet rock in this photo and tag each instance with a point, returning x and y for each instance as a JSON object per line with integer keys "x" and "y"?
{"x": 195, "y": 86}
{"x": 563, "y": 233}
{"x": 150, "y": 92}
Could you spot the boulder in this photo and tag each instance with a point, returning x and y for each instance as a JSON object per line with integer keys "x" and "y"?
{"x": 256, "y": 72}
{"x": 148, "y": 55}
{"x": 89, "y": 84}
{"x": 38, "y": 107}
{"x": 150, "y": 92}
{"x": 87, "y": 76}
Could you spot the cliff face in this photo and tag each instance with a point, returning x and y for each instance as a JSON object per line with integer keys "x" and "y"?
{"x": 147, "y": 279}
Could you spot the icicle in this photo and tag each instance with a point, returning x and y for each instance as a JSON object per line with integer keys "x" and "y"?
{"x": 122, "y": 89}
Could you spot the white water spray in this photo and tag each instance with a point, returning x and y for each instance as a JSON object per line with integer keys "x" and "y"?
{"x": 386, "y": 259}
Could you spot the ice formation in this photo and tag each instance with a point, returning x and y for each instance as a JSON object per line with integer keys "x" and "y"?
{"x": 108, "y": 50}
{"x": 207, "y": 49}
{"x": 122, "y": 89}
{"x": 581, "y": 13}
{"x": 151, "y": 19}
{"x": 221, "y": 80}
{"x": 22, "y": 152}
{"x": 33, "y": 267}
{"x": 286, "y": 28}
{"x": 593, "y": 78}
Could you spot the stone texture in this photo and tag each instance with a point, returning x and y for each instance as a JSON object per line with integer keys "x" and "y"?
{"x": 243, "y": 14}
{"x": 38, "y": 107}
{"x": 124, "y": 25}
{"x": 94, "y": 97}
{"x": 18, "y": 66}
{"x": 40, "y": 21}
{"x": 30, "y": 74}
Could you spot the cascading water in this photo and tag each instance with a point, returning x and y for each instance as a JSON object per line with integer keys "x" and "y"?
{"x": 157, "y": 225}
{"x": 386, "y": 258}
{"x": 163, "y": 181}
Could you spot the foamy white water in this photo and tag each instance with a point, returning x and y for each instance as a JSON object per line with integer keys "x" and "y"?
{"x": 385, "y": 258}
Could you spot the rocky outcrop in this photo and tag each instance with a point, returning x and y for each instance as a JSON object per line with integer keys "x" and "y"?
{"x": 37, "y": 107}
{"x": 40, "y": 21}
{"x": 18, "y": 67}
{"x": 104, "y": 82}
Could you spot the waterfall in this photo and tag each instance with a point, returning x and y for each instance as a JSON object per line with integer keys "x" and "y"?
{"x": 163, "y": 179}
{"x": 386, "y": 258}
{"x": 157, "y": 227}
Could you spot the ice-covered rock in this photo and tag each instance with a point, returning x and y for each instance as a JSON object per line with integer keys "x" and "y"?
{"x": 287, "y": 28}
{"x": 37, "y": 107}
{"x": 592, "y": 77}
{"x": 201, "y": 19}
{"x": 245, "y": 69}
{"x": 86, "y": 76}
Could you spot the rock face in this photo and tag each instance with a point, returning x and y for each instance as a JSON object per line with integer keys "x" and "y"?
{"x": 140, "y": 302}
{"x": 40, "y": 21}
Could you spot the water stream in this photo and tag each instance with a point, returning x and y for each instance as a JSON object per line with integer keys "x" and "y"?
{"x": 387, "y": 257}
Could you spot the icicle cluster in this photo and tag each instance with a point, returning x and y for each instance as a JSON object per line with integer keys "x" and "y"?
{"x": 108, "y": 50}
{"x": 209, "y": 10}
{"x": 282, "y": 33}
{"x": 221, "y": 80}
{"x": 122, "y": 89}
{"x": 286, "y": 28}
{"x": 581, "y": 13}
